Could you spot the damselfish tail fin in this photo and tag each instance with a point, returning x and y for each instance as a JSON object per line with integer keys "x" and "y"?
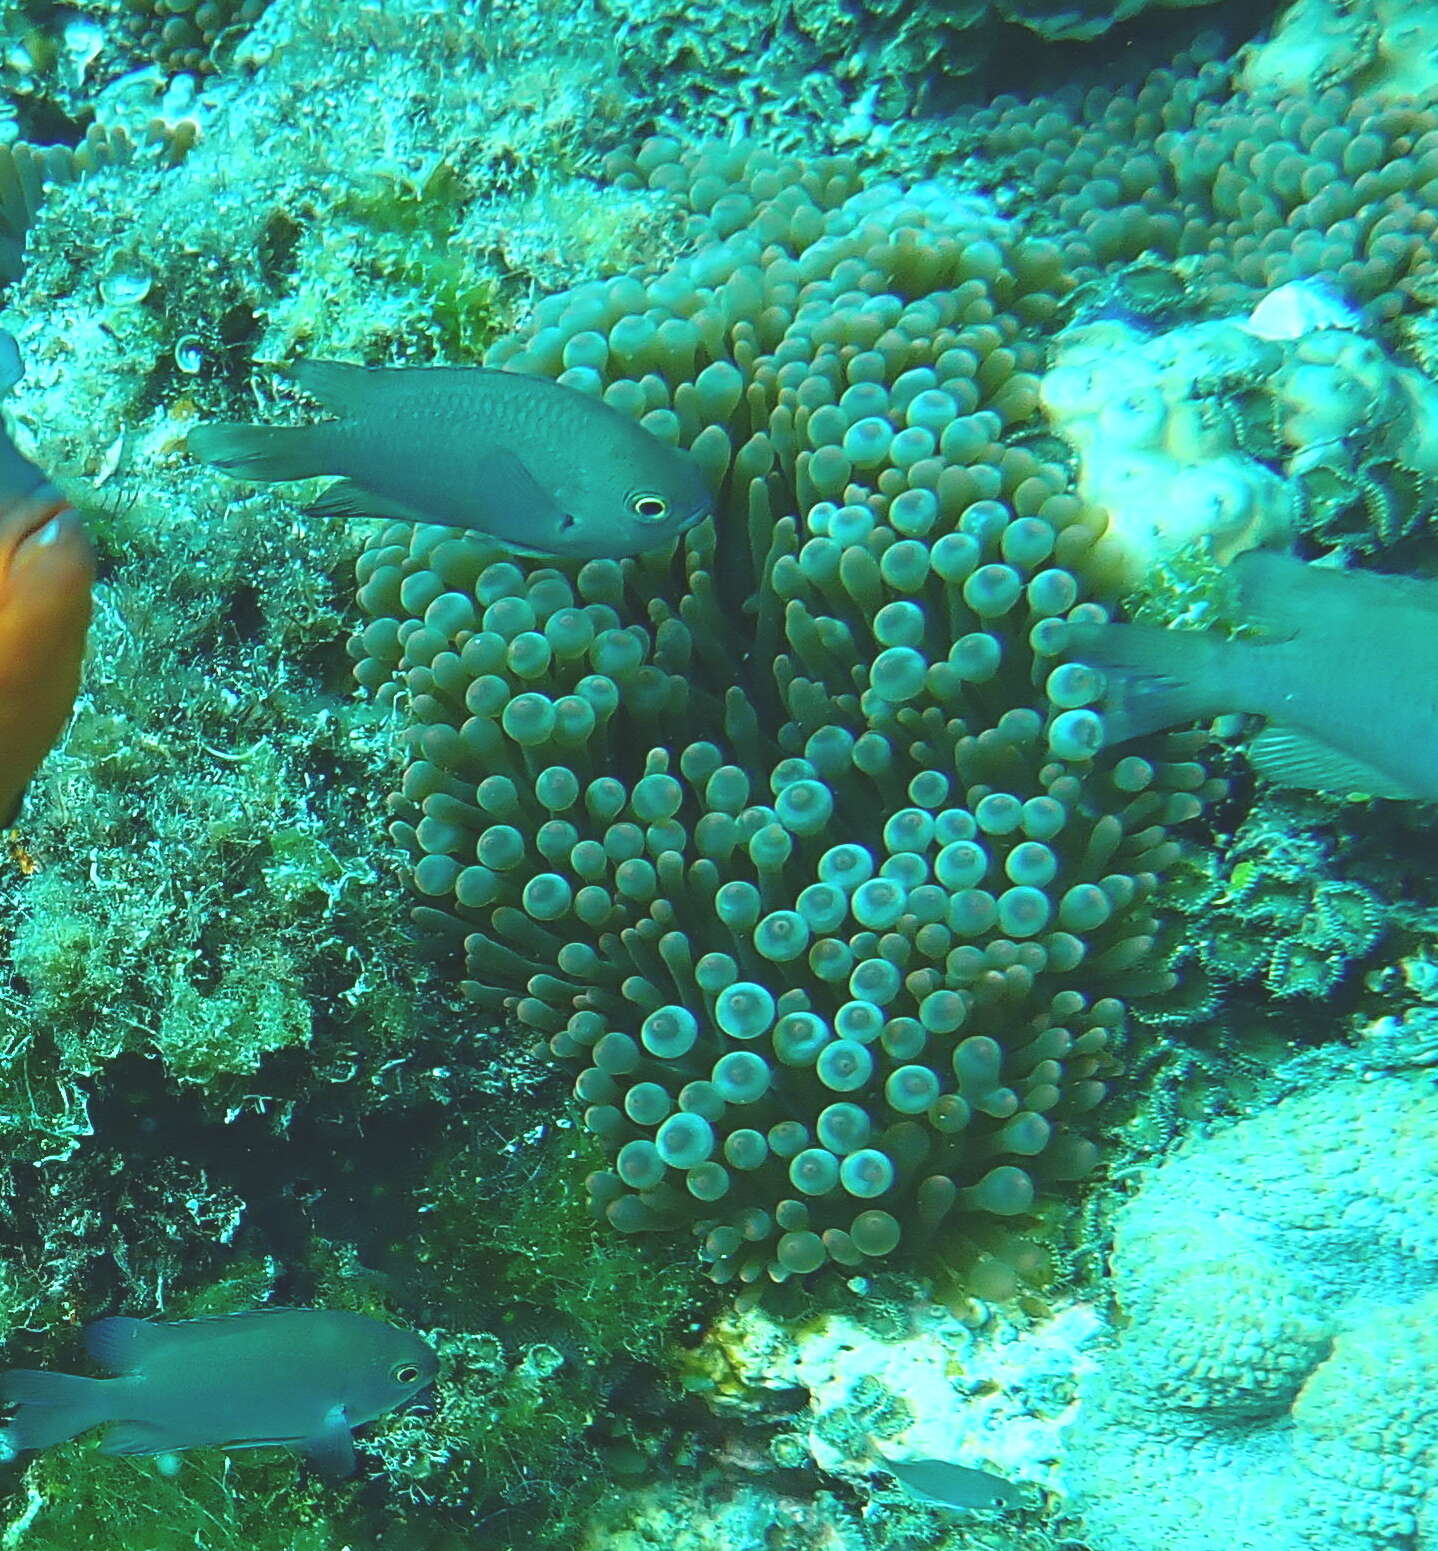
{"x": 51, "y": 1407}
{"x": 1157, "y": 678}
{"x": 263, "y": 452}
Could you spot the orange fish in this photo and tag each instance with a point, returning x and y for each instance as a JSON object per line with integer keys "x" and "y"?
{"x": 46, "y": 569}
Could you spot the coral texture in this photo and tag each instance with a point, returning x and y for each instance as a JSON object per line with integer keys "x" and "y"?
{"x": 1156, "y": 449}
{"x": 843, "y": 955}
{"x": 1385, "y": 49}
{"x": 1248, "y": 190}
{"x": 178, "y": 34}
{"x": 1242, "y": 432}
{"x": 861, "y": 69}
{"x": 1274, "y": 1381}
{"x": 1285, "y": 903}
{"x": 904, "y": 1380}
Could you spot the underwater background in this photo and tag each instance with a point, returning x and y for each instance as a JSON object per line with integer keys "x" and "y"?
{"x": 805, "y": 1090}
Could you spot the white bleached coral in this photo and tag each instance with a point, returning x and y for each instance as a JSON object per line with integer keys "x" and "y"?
{"x": 1156, "y": 450}
{"x": 993, "y": 1398}
{"x": 1383, "y": 48}
{"x": 1241, "y": 431}
{"x": 1275, "y": 1379}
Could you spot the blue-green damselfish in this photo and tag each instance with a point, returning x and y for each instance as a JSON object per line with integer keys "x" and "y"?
{"x": 534, "y": 463}
{"x": 1342, "y": 665}
{"x": 303, "y": 1378}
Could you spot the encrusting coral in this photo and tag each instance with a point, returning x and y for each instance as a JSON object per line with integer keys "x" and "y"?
{"x": 840, "y": 963}
{"x": 1387, "y": 49}
{"x": 1273, "y": 1382}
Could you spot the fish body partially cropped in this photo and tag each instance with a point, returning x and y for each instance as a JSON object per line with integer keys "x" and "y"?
{"x": 538, "y": 465}
{"x": 46, "y": 571}
{"x": 960, "y": 1488}
{"x": 304, "y": 1378}
{"x": 1344, "y": 669}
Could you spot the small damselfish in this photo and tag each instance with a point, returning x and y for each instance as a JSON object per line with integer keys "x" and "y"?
{"x": 531, "y": 462}
{"x": 301, "y": 1378}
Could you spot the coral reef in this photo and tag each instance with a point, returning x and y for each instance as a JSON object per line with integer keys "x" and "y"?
{"x": 58, "y": 58}
{"x": 1242, "y": 432}
{"x": 219, "y": 1049}
{"x": 861, "y": 69}
{"x": 1290, "y": 909}
{"x": 1247, "y": 191}
{"x": 1157, "y": 449}
{"x": 177, "y": 37}
{"x": 811, "y": 1050}
{"x": 905, "y": 1380}
{"x": 1273, "y": 1381}
{"x": 1300, "y": 897}
{"x": 1386, "y": 49}
{"x": 218, "y": 1052}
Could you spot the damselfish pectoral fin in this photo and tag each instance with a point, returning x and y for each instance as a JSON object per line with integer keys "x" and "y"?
{"x": 1291, "y": 758}
{"x": 515, "y": 508}
{"x": 348, "y": 499}
{"x": 332, "y": 1451}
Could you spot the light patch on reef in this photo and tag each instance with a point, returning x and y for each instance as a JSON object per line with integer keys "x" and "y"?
{"x": 1237, "y": 432}
{"x": 993, "y": 1398}
{"x": 1301, "y": 307}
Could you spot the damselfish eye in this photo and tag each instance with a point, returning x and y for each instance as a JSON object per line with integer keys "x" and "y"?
{"x": 404, "y": 1373}
{"x": 649, "y": 508}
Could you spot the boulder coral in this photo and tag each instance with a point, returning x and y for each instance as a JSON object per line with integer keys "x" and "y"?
{"x": 1274, "y": 1378}
{"x": 795, "y": 843}
{"x": 1159, "y": 445}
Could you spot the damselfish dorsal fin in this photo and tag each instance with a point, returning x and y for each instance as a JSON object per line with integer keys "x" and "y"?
{"x": 1284, "y": 595}
{"x": 120, "y": 1344}
{"x": 1291, "y": 758}
{"x": 342, "y": 387}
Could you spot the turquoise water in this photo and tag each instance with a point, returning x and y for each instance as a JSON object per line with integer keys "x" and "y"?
{"x": 723, "y": 996}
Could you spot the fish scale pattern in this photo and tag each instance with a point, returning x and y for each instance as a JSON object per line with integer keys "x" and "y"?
{"x": 793, "y": 843}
